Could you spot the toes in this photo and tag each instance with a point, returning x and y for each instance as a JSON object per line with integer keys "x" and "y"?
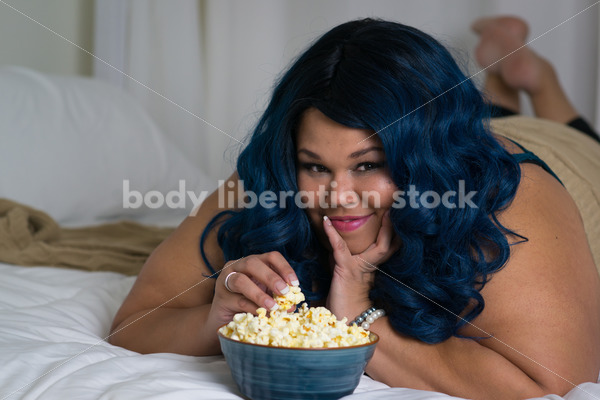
{"x": 479, "y": 24}
{"x": 506, "y": 25}
{"x": 516, "y": 26}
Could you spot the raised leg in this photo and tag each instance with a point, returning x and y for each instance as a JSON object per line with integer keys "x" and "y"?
{"x": 499, "y": 93}
{"x": 512, "y": 67}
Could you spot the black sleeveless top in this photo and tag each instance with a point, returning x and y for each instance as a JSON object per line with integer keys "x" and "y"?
{"x": 529, "y": 157}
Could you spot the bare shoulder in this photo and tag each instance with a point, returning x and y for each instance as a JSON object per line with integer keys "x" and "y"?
{"x": 175, "y": 271}
{"x": 543, "y": 307}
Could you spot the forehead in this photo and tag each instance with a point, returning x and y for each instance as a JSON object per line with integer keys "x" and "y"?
{"x": 319, "y": 132}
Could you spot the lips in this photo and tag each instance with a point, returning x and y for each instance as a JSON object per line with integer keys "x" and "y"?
{"x": 349, "y": 223}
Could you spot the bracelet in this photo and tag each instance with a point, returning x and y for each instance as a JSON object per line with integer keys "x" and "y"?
{"x": 358, "y": 320}
{"x": 371, "y": 318}
{"x": 365, "y": 319}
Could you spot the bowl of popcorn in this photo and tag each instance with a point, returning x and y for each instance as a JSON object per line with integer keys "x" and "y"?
{"x": 307, "y": 354}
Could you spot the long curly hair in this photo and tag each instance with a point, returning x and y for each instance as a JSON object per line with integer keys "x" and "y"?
{"x": 433, "y": 123}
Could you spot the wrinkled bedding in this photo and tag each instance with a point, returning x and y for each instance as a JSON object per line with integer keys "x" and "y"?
{"x": 52, "y": 346}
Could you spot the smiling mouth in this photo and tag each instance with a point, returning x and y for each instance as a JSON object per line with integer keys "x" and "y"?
{"x": 348, "y": 224}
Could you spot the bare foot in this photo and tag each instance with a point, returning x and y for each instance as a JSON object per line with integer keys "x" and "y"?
{"x": 499, "y": 38}
{"x": 516, "y": 26}
{"x": 511, "y": 66}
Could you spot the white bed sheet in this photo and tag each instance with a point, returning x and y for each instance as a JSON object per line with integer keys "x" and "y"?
{"x": 52, "y": 328}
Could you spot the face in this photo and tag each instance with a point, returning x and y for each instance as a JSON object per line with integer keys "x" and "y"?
{"x": 348, "y": 177}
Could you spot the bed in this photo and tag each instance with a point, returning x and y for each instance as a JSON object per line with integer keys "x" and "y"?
{"x": 69, "y": 143}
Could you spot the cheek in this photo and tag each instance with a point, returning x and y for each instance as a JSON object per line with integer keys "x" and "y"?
{"x": 310, "y": 197}
{"x": 306, "y": 183}
{"x": 388, "y": 197}
{"x": 385, "y": 190}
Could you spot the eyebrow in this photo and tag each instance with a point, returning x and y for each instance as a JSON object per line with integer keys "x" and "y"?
{"x": 356, "y": 154}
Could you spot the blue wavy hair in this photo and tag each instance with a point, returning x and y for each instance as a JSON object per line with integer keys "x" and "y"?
{"x": 432, "y": 122}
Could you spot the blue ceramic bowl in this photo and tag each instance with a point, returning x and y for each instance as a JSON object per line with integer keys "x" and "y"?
{"x": 266, "y": 372}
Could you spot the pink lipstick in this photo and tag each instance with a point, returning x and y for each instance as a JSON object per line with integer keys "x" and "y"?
{"x": 349, "y": 223}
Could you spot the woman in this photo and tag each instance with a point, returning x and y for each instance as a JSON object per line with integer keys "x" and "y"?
{"x": 408, "y": 203}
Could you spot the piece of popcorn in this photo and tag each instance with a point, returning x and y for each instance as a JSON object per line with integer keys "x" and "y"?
{"x": 291, "y": 298}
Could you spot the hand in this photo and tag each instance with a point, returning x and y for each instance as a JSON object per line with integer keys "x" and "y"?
{"x": 353, "y": 275}
{"x": 256, "y": 278}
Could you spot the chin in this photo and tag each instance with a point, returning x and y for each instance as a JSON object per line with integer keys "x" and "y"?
{"x": 357, "y": 248}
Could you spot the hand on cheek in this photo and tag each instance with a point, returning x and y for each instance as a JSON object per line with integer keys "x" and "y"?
{"x": 353, "y": 275}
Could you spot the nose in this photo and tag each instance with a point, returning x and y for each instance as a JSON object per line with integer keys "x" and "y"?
{"x": 343, "y": 192}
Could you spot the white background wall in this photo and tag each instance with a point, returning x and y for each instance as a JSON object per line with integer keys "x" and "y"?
{"x": 23, "y": 42}
{"x": 248, "y": 43}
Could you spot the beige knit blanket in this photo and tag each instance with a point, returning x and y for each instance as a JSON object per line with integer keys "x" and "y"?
{"x": 31, "y": 237}
{"x": 574, "y": 157}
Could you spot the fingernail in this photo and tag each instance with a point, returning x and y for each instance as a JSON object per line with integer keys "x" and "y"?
{"x": 282, "y": 287}
{"x": 271, "y": 305}
{"x": 295, "y": 282}
{"x": 327, "y": 220}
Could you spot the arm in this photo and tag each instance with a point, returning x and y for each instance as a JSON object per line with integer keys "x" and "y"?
{"x": 460, "y": 367}
{"x": 542, "y": 309}
{"x": 174, "y": 307}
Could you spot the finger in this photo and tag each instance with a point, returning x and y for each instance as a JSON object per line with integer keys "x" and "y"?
{"x": 386, "y": 244}
{"x": 280, "y": 265}
{"x": 269, "y": 270}
{"x": 264, "y": 273}
{"x": 341, "y": 253}
{"x": 239, "y": 303}
{"x": 396, "y": 244}
{"x": 386, "y": 232}
{"x": 241, "y": 284}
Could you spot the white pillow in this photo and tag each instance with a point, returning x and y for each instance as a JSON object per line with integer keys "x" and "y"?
{"x": 69, "y": 145}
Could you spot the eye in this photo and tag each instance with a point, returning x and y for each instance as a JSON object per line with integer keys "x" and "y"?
{"x": 368, "y": 166}
{"x": 312, "y": 167}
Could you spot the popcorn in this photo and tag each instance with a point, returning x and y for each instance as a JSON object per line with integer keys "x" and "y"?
{"x": 291, "y": 298}
{"x": 309, "y": 327}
